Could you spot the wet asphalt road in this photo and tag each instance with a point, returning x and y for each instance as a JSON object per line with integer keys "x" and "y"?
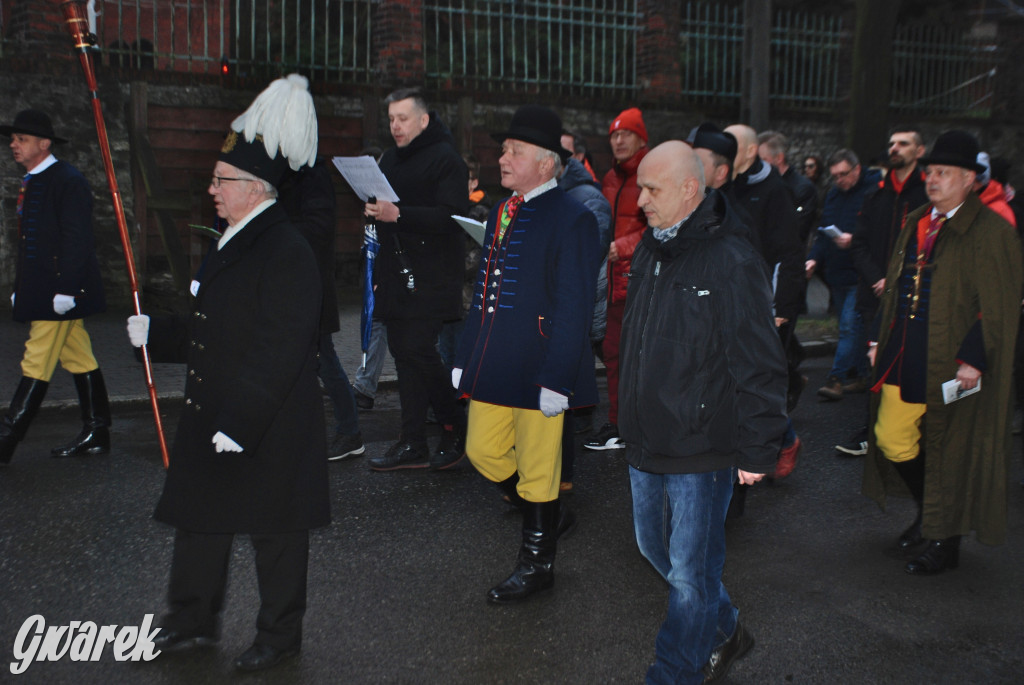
{"x": 397, "y": 583}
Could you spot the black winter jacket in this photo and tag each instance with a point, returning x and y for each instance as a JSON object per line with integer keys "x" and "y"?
{"x": 702, "y": 378}
{"x": 881, "y": 219}
{"x": 430, "y": 179}
{"x": 770, "y": 204}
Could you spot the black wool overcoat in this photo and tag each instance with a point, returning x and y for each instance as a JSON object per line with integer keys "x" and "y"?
{"x": 250, "y": 344}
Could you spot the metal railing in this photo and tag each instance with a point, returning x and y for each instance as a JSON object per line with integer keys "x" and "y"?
{"x": 326, "y": 38}
{"x": 805, "y": 55}
{"x": 585, "y": 47}
{"x": 939, "y": 70}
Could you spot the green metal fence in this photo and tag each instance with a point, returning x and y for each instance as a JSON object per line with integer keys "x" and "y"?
{"x": 939, "y": 70}
{"x": 585, "y": 47}
{"x": 326, "y": 38}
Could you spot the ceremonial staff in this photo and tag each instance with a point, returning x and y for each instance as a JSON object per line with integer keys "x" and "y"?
{"x": 74, "y": 18}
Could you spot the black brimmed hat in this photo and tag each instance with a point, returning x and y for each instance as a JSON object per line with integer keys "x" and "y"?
{"x": 710, "y": 137}
{"x": 955, "y": 148}
{"x": 536, "y": 125}
{"x": 34, "y": 123}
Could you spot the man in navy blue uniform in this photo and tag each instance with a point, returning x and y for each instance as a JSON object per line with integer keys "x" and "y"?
{"x": 524, "y": 356}
{"x": 56, "y": 285}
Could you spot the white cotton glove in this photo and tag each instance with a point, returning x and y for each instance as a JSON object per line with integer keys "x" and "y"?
{"x": 552, "y": 403}
{"x": 225, "y": 444}
{"x": 138, "y": 330}
{"x": 62, "y": 304}
{"x": 193, "y": 288}
{"x": 12, "y": 299}
{"x": 456, "y": 378}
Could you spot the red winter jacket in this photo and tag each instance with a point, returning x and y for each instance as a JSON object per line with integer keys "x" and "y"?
{"x": 620, "y": 189}
{"x": 994, "y": 197}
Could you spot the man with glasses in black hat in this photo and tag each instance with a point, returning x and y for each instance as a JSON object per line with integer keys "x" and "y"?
{"x": 525, "y": 356}
{"x": 949, "y": 314}
{"x": 56, "y": 285}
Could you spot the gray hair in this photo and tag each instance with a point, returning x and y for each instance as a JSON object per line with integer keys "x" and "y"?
{"x": 268, "y": 189}
{"x": 544, "y": 153}
{"x": 844, "y": 155}
{"x": 415, "y": 94}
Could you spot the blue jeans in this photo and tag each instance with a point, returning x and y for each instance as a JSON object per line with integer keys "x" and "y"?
{"x": 346, "y": 417}
{"x": 680, "y": 528}
{"x": 851, "y": 350}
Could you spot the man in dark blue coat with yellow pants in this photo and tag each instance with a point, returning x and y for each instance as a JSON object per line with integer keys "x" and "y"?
{"x": 524, "y": 356}
{"x": 57, "y": 285}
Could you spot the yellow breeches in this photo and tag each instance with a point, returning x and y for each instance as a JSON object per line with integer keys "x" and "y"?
{"x": 898, "y": 426}
{"x": 53, "y": 341}
{"x": 501, "y": 441}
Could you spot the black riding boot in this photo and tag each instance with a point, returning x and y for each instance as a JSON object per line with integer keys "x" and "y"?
{"x": 535, "y": 569}
{"x": 565, "y": 518}
{"x": 912, "y": 473}
{"x": 27, "y": 398}
{"x": 95, "y": 435}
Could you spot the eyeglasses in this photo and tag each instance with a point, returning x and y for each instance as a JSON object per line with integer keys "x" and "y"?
{"x": 216, "y": 180}
{"x": 843, "y": 174}
{"x": 810, "y": 165}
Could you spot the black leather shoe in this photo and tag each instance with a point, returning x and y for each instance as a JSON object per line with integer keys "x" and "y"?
{"x": 723, "y": 657}
{"x": 450, "y": 450}
{"x": 261, "y": 657}
{"x": 535, "y": 566}
{"x": 936, "y": 558}
{"x": 170, "y": 640}
{"x": 364, "y": 402}
{"x": 911, "y": 537}
{"x": 401, "y": 455}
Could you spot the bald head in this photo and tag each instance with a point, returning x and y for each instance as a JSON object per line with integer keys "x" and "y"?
{"x": 746, "y": 147}
{"x": 671, "y": 181}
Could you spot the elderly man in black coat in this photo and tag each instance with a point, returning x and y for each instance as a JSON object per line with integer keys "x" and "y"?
{"x": 250, "y": 453}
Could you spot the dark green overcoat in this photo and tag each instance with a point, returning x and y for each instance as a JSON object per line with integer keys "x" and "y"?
{"x": 967, "y": 443}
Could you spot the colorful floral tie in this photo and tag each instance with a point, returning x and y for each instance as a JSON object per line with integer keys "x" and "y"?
{"x": 508, "y": 213}
{"x": 21, "y": 193}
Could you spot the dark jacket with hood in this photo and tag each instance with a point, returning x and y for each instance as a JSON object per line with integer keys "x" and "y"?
{"x": 430, "y": 179}
{"x": 703, "y": 378}
{"x": 770, "y": 204}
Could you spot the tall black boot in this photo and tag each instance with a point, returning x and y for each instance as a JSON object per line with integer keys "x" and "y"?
{"x": 566, "y": 520}
{"x": 535, "y": 569}
{"x": 27, "y": 398}
{"x": 912, "y": 473}
{"x": 95, "y": 435}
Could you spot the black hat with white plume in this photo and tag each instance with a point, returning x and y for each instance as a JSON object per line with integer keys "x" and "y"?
{"x": 277, "y": 131}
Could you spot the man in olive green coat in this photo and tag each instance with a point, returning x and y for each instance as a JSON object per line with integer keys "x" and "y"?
{"x": 949, "y": 311}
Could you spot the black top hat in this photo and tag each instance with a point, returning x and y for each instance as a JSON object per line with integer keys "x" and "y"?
{"x": 955, "y": 148}
{"x": 710, "y": 137}
{"x": 537, "y": 125}
{"x": 34, "y": 123}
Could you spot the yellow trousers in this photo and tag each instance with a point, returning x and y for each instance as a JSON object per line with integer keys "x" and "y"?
{"x": 898, "y": 426}
{"x": 53, "y": 341}
{"x": 501, "y": 441}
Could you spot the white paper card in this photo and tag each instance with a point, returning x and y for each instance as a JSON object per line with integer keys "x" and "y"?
{"x": 474, "y": 228}
{"x": 831, "y": 231}
{"x": 365, "y": 177}
{"x": 951, "y": 391}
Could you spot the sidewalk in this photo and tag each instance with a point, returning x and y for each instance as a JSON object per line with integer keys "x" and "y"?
{"x": 126, "y": 381}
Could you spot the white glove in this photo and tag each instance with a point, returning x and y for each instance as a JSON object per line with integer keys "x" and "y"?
{"x": 12, "y": 299}
{"x": 225, "y": 444}
{"x": 456, "y": 378}
{"x": 138, "y": 330}
{"x": 552, "y": 403}
{"x": 62, "y": 304}
{"x": 193, "y": 288}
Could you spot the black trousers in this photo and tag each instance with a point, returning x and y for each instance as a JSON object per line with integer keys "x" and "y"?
{"x": 423, "y": 379}
{"x": 199, "y": 575}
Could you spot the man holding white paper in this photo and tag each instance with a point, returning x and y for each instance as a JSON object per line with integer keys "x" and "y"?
{"x": 831, "y": 249}
{"x": 949, "y": 311}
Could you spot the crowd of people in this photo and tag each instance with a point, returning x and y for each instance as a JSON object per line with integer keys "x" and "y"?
{"x": 683, "y": 269}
